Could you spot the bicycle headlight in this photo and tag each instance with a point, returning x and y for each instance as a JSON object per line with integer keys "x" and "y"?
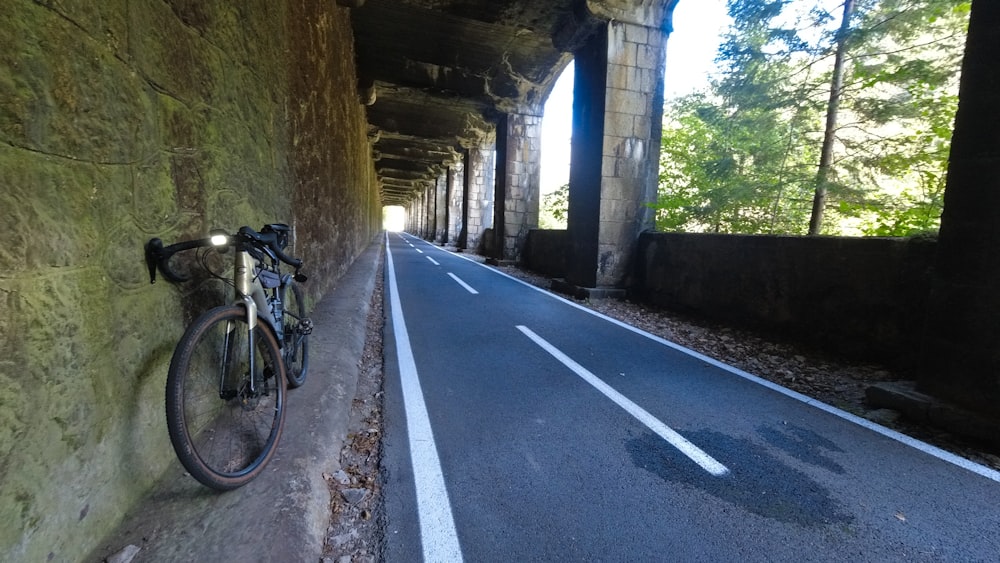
{"x": 219, "y": 238}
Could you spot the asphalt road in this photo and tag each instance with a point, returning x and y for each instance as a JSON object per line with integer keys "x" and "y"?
{"x": 521, "y": 427}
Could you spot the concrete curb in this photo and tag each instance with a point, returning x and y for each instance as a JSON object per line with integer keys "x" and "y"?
{"x": 284, "y": 514}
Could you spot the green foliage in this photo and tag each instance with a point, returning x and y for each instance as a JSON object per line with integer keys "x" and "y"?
{"x": 555, "y": 209}
{"x": 743, "y": 157}
{"x": 728, "y": 172}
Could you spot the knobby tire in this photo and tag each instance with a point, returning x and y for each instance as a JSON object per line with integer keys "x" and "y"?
{"x": 224, "y": 433}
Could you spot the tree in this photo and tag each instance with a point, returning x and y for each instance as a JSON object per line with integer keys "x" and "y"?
{"x": 826, "y": 152}
{"x": 756, "y": 140}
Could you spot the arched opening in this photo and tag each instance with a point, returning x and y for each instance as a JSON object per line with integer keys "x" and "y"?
{"x": 557, "y": 131}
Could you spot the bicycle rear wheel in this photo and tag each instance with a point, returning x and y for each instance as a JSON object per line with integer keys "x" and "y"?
{"x": 296, "y": 336}
{"x": 223, "y": 428}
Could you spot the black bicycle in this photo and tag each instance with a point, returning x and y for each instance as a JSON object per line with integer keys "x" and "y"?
{"x": 227, "y": 380}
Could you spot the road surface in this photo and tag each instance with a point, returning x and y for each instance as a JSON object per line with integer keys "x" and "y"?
{"x": 522, "y": 427}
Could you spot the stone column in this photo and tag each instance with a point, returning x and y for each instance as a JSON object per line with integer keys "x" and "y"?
{"x": 463, "y": 230}
{"x": 481, "y": 170}
{"x": 430, "y": 211}
{"x": 422, "y": 230}
{"x": 456, "y": 202}
{"x": 617, "y": 113}
{"x": 441, "y": 208}
{"x": 961, "y": 359}
{"x": 517, "y": 182}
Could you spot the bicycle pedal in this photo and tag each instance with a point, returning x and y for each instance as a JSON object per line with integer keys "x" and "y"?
{"x": 305, "y": 326}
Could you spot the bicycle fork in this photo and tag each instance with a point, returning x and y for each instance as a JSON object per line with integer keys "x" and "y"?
{"x": 244, "y": 289}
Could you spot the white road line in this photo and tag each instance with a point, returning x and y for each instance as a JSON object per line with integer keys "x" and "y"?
{"x": 463, "y": 284}
{"x": 417, "y": 249}
{"x": 437, "y": 525}
{"x": 433, "y": 261}
{"x": 707, "y": 462}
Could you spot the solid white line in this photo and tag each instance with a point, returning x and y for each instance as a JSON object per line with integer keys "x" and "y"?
{"x": 437, "y": 525}
{"x": 463, "y": 284}
{"x": 935, "y": 451}
{"x": 707, "y": 462}
{"x": 433, "y": 261}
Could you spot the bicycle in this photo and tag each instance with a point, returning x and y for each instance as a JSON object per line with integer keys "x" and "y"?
{"x": 225, "y": 392}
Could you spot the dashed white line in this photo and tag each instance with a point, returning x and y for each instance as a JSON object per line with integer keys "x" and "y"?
{"x": 418, "y": 250}
{"x": 437, "y": 525}
{"x": 707, "y": 462}
{"x": 463, "y": 284}
{"x": 433, "y": 261}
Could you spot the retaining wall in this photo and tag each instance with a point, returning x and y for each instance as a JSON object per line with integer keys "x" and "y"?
{"x": 120, "y": 121}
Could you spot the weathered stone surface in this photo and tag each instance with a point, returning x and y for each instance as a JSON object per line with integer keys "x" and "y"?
{"x": 120, "y": 121}
{"x": 861, "y": 297}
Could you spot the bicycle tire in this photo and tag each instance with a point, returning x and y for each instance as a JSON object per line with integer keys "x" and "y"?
{"x": 223, "y": 433}
{"x": 296, "y": 346}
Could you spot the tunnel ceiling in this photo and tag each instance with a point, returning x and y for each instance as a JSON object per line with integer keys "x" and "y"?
{"x": 437, "y": 73}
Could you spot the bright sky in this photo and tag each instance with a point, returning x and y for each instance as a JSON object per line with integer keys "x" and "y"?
{"x": 691, "y": 50}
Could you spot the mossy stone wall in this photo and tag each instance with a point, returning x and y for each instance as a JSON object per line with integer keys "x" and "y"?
{"x": 121, "y": 120}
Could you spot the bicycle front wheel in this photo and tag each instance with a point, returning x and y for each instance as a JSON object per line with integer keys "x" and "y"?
{"x": 225, "y": 419}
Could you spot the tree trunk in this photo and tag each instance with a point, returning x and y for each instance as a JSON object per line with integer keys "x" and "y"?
{"x": 826, "y": 154}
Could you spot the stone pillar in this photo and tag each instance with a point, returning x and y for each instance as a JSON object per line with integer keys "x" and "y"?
{"x": 961, "y": 359}
{"x": 456, "y": 202}
{"x": 462, "y": 241}
{"x": 617, "y": 114}
{"x": 422, "y": 222}
{"x": 480, "y": 174}
{"x": 430, "y": 212}
{"x": 517, "y": 182}
{"x": 411, "y": 215}
{"x": 441, "y": 208}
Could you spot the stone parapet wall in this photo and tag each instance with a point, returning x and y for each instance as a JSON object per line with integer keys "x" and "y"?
{"x": 859, "y": 297}
{"x": 863, "y": 298}
{"x": 121, "y": 121}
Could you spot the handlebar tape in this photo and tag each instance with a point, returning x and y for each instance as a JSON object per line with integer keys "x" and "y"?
{"x": 271, "y": 240}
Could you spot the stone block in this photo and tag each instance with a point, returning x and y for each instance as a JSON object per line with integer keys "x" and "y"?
{"x": 637, "y": 34}
{"x": 642, "y": 127}
{"x": 617, "y": 124}
{"x": 619, "y": 77}
{"x": 609, "y": 167}
{"x": 611, "y": 145}
{"x": 647, "y": 57}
